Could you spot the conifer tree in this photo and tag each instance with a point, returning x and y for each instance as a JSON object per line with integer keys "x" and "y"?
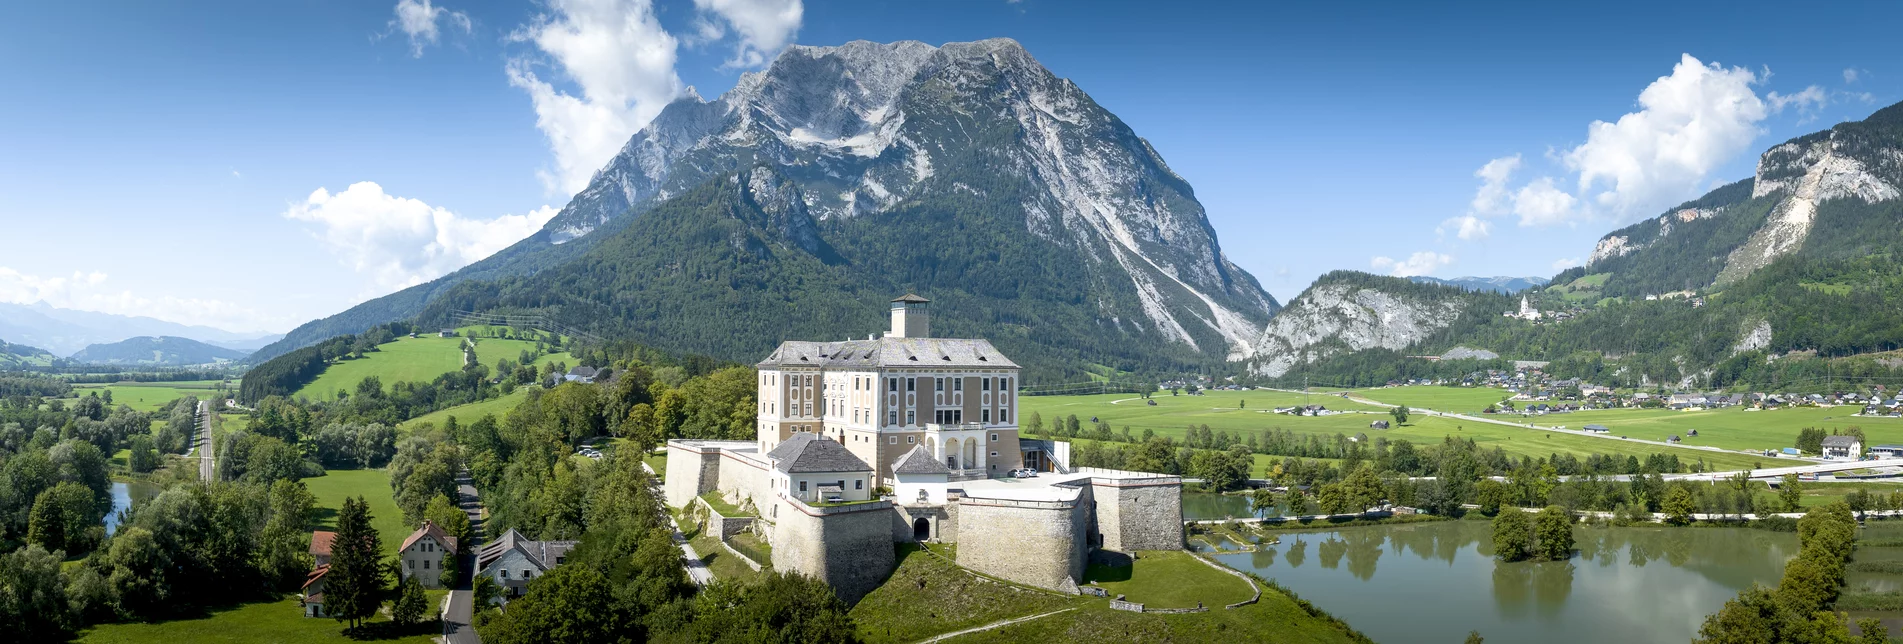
{"x": 354, "y": 588}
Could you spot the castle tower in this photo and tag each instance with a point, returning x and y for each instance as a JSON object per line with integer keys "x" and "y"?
{"x": 911, "y": 317}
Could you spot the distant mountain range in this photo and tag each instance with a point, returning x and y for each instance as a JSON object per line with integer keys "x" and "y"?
{"x": 1508, "y": 285}
{"x": 164, "y": 351}
{"x": 13, "y": 356}
{"x": 65, "y": 331}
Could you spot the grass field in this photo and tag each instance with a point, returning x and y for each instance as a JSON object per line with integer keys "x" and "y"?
{"x": 466, "y": 414}
{"x": 149, "y": 396}
{"x": 374, "y": 486}
{"x": 1732, "y": 427}
{"x": 1169, "y": 579}
{"x": 1219, "y": 410}
{"x": 928, "y": 595}
{"x": 1466, "y": 400}
{"x": 407, "y": 359}
{"x": 279, "y": 621}
{"x": 1168, "y": 419}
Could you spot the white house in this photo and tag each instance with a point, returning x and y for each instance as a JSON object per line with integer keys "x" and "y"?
{"x": 1845, "y": 447}
{"x": 513, "y": 560}
{"x": 423, "y": 554}
{"x": 313, "y": 591}
{"x": 921, "y": 479}
{"x": 813, "y": 468}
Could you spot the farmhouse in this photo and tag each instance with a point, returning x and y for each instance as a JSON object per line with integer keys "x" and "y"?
{"x": 1843, "y": 447}
{"x": 423, "y": 552}
{"x": 861, "y": 444}
{"x": 312, "y": 594}
{"x": 582, "y": 375}
{"x": 513, "y": 560}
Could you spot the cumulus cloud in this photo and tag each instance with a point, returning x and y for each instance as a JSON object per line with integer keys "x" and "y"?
{"x": 1542, "y": 203}
{"x": 1491, "y": 198}
{"x": 1852, "y": 74}
{"x": 89, "y": 291}
{"x": 1420, "y": 263}
{"x": 762, "y": 27}
{"x": 619, "y": 59}
{"x": 399, "y": 242}
{"x": 1466, "y": 227}
{"x": 421, "y": 21}
{"x": 1564, "y": 263}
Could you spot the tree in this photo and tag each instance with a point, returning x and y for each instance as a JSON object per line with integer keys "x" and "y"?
{"x": 1790, "y": 492}
{"x": 444, "y": 513}
{"x": 354, "y": 588}
{"x": 1554, "y": 531}
{"x": 569, "y": 604}
{"x": 484, "y": 591}
{"x": 1473, "y": 637}
{"x": 32, "y": 597}
{"x": 451, "y": 566}
{"x": 1512, "y": 535}
{"x": 1297, "y": 502}
{"x": 1399, "y": 413}
{"x": 1750, "y": 618}
{"x": 61, "y": 517}
{"x": 410, "y": 605}
{"x": 1872, "y": 631}
{"x": 143, "y": 457}
{"x": 1491, "y": 495}
{"x": 1678, "y": 506}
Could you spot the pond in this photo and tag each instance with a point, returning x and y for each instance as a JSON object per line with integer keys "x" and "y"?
{"x": 1434, "y": 582}
{"x": 123, "y": 495}
{"x": 1202, "y": 506}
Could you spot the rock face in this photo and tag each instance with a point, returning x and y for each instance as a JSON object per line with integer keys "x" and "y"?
{"x": 1802, "y": 175}
{"x": 1329, "y": 319}
{"x": 865, "y": 131}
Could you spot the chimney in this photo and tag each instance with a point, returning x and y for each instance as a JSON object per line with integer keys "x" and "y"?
{"x": 911, "y": 317}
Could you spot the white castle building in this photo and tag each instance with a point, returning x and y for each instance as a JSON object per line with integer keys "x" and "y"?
{"x": 864, "y": 443}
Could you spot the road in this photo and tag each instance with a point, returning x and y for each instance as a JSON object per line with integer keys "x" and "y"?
{"x": 696, "y": 569}
{"x": 207, "y": 466}
{"x": 458, "y": 611}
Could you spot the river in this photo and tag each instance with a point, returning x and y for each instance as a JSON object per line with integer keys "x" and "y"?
{"x": 1434, "y": 582}
{"x": 123, "y": 495}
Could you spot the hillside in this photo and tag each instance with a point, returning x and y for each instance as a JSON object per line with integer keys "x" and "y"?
{"x": 156, "y": 351}
{"x": 14, "y": 356}
{"x": 797, "y": 203}
{"x": 1497, "y": 284}
{"x": 1345, "y": 312}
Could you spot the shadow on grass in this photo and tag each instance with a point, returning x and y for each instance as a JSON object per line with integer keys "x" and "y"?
{"x": 324, "y": 518}
{"x": 392, "y": 630}
{"x": 1107, "y": 566}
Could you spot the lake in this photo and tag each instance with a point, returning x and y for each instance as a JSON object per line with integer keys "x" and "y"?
{"x": 123, "y": 495}
{"x": 1434, "y": 582}
{"x": 1203, "y": 506}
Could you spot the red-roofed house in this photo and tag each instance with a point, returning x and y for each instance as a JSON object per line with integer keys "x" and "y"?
{"x": 423, "y": 554}
{"x": 320, "y": 546}
{"x": 313, "y": 591}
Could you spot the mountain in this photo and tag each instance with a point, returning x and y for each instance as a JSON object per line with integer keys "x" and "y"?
{"x": 156, "y": 351}
{"x": 64, "y": 331}
{"x": 839, "y": 177}
{"x": 14, "y": 356}
{"x": 1348, "y": 311}
{"x": 1507, "y": 285}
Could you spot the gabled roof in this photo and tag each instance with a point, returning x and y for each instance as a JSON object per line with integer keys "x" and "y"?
{"x": 919, "y": 461}
{"x": 320, "y": 542}
{"x": 544, "y": 554}
{"x": 911, "y": 298}
{"x": 430, "y": 529}
{"x": 808, "y": 452}
{"x": 582, "y": 372}
{"x": 313, "y": 576}
{"x": 889, "y": 352}
{"x": 1839, "y": 441}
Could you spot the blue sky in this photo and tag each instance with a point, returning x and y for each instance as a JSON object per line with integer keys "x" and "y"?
{"x": 161, "y": 159}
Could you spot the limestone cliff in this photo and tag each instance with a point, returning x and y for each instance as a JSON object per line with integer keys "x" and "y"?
{"x": 1336, "y": 316}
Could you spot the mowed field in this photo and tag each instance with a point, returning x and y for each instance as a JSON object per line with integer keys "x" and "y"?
{"x": 1461, "y": 400}
{"x": 374, "y": 486}
{"x": 1733, "y": 427}
{"x": 1172, "y": 415}
{"x": 149, "y": 396}
{"x": 466, "y": 414}
{"x": 280, "y": 621}
{"x": 407, "y": 359}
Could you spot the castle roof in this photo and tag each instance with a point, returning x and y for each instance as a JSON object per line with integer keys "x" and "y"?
{"x": 808, "y": 452}
{"x": 911, "y": 298}
{"x": 919, "y": 461}
{"x": 889, "y": 352}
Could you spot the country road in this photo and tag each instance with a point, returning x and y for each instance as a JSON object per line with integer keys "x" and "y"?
{"x": 207, "y": 465}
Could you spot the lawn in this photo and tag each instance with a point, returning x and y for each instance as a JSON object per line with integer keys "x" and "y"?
{"x": 373, "y": 486}
{"x": 1170, "y": 417}
{"x": 1169, "y": 579}
{"x": 719, "y": 562}
{"x": 658, "y": 462}
{"x": 466, "y": 414}
{"x": 1447, "y": 399}
{"x": 149, "y": 396}
{"x": 1230, "y": 410}
{"x": 419, "y": 359}
{"x": 1277, "y": 619}
{"x": 928, "y": 595}
{"x": 1731, "y": 427}
{"x": 279, "y": 621}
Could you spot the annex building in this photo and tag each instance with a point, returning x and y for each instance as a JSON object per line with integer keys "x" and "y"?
{"x": 865, "y": 443}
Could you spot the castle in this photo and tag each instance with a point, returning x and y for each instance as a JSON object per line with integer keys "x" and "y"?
{"x": 862, "y": 444}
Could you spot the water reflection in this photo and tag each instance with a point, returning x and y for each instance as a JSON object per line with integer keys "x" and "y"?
{"x": 123, "y": 496}
{"x": 1631, "y": 584}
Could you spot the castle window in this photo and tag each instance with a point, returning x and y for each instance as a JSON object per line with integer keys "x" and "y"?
{"x": 938, "y": 384}
{"x": 994, "y": 439}
{"x": 892, "y": 417}
{"x": 891, "y": 384}
{"x": 911, "y": 384}
{"x": 986, "y": 414}
{"x": 958, "y": 384}
{"x": 892, "y": 440}
{"x": 1004, "y": 416}
{"x": 994, "y": 454}
{"x": 911, "y": 439}
{"x": 984, "y": 384}
{"x": 910, "y": 417}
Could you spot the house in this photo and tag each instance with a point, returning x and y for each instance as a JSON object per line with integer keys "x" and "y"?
{"x": 1887, "y": 451}
{"x": 920, "y": 478}
{"x": 513, "y": 560}
{"x": 312, "y": 594}
{"x": 423, "y": 552}
{"x": 446, "y": 333}
{"x": 320, "y": 546}
{"x": 1379, "y": 424}
{"x": 582, "y": 375}
{"x": 806, "y": 462}
{"x": 1598, "y": 429}
{"x": 1844, "y": 447}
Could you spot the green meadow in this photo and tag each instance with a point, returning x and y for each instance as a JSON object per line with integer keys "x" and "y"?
{"x": 1733, "y": 427}
{"x": 280, "y": 621}
{"x": 1172, "y": 415}
{"x": 466, "y": 414}
{"x": 406, "y": 359}
{"x": 1447, "y": 399}
{"x": 149, "y": 396}
{"x": 374, "y": 486}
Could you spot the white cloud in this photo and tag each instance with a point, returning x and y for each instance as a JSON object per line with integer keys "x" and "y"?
{"x": 763, "y": 26}
{"x": 1688, "y": 124}
{"x": 1491, "y": 198}
{"x": 419, "y": 19}
{"x": 89, "y": 291}
{"x": 1564, "y": 263}
{"x": 1420, "y": 263}
{"x": 1852, "y": 74}
{"x": 622, "y": 61}
{"x": 1540, "y": 203}
{"x": 399, "y": 242}
{"x": 1467, "y": 227}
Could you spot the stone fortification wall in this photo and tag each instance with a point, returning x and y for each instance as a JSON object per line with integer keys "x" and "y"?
{"x": 937, "y": 518}
{"x": 721, "y": 526}
{"x": 1037, "y": 543}
{"x": 693, "y": 467}
{"x": 743, "y": 480}
{"x": 849, "y": 546}
{"x": 1136, "y": 510}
